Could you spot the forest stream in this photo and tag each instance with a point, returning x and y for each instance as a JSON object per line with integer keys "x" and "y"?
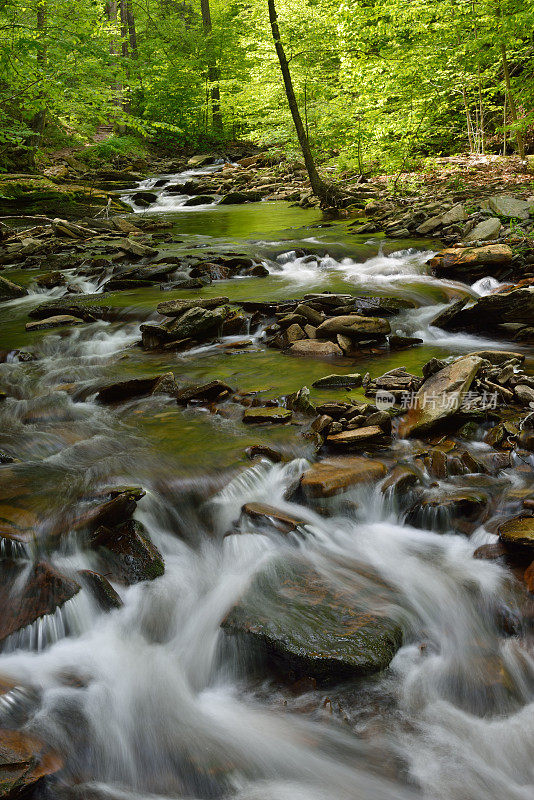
{"x": 159, "y": 695}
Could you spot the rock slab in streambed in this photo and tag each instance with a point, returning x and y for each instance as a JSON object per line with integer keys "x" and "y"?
{"x": 334, "y": 381}
{"x": 24, "y": 759}
{"x": 127, "y": 553}
{"x": 60, "y": 320}
{"x": 10, "y": 290}
{"x": 25, "y": 597}
{"x": 518, "y": 532}
{"x": 338, "y": 474}
{"x": 440, "y": 396}
{"x": 306, "y": 628}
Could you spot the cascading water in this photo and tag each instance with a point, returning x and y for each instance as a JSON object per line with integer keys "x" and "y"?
{"x": 154, "y": 699}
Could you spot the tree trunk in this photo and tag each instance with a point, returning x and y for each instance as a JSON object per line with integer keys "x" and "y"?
{"x": 213, "y": 70}
{"x": 511, "y": 103}
{"x": 319, "y": 187}
{"x": 39, "y": 119}
{"x": 125, "y": 54}
{"x": 132, "y": 33}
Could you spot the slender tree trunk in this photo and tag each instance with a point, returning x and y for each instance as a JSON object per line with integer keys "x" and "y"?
{"x": 319, "y": 187}
{"x": 511, "y": 103}
{"x": 38, "y": 122}
{"x": 468, "y": 122}
{"x": 132, "y": 33}
{"x": 126, "y": 105}
{"x": 213, "y": 70}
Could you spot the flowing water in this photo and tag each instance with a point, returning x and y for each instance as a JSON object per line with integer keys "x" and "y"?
{"x": 154, "y": 700}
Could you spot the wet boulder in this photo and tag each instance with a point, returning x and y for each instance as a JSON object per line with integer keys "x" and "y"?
{"x": 518, "y": 532}
{"x": 81, "y": 307}
{"x": 305, "y": 628}
{"x": 100, "y": 588}
{"x": 440, "y": 396}
{"x": 216, "y": 272}
{"x": 49, "y": 280}
{"x": 211, "y": 392}
{"x": 136, "y": 249}
{"x": 492, "y": 310}
{"x": 175, "y": 308}
{"x": 358, "y": 439}
{"x": 199, "y": 200}
{"x": 144, "y": 198}
{"x": 354, "y": 326}
{"x": 24, "y": 760}
{"x": 198, "y": 323}
{"x": 17, "y": 528}
{"x": 127, "y": 553}
{"x": 237, "y": 198}
{"x": 338, "y": 474}
{"x": 255, "y": 416}
{"x": 10, "y": 290}
{"x": 315, "y": 349}
{"x": 351, "y": 381}
{"x": 469, "y": 262}
{"x": 271, "y": 517}
{"x": 27, "y": 594}
{"x": 58, "y": 321}
{"x": 381, "y": 306}
{"x": 137, "y": 387}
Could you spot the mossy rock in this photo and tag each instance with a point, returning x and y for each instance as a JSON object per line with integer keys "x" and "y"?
{"x": 36, "y": 195}
{"x": 307, "y": 628}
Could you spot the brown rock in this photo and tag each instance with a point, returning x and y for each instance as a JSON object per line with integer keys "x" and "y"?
{"x": 205, "y": 393}
{"x": 334, "y": 475}
{"x": 315, "y": 349}
{"x": 440, "y": 396}
{"x": 59, "y": 320}
{"x": 127, "y": 553}
{"x": 361, "y": 437}
{"x": 175, "y": 308}
{"x": 24, "y": 760}
{"x": 262, "y": 512}
{"x": 518, "y": 531}
{"x": 353, "y": 326}
{"x": 43, "y": 591}
{"x": 137, "y": 387}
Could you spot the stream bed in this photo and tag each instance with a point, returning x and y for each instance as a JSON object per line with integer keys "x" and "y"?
{"x": 154, "y": 699}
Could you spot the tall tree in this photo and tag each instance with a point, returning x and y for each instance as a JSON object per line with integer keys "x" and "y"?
{"x": 319, "y": 187}
{"x": 213, "y": 69}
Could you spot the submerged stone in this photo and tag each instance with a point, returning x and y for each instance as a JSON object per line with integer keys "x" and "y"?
{"x": 308, "y": 629}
